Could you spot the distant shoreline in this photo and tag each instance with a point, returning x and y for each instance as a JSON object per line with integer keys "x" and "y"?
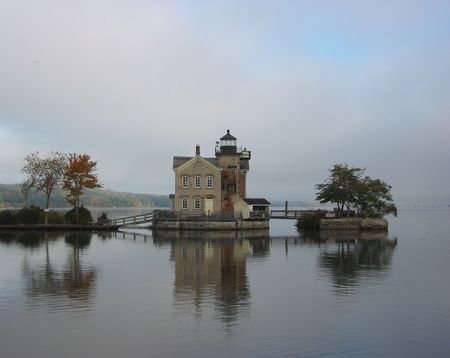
{"x": 11, "y": 197}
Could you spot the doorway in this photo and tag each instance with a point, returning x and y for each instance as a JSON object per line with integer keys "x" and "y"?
{"x": 209, "y": 206}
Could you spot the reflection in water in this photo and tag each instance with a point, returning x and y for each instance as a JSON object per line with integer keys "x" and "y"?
{"x": 260, "y": 247}
{"x": 211, "y": 269}
{"x": 70, "y": 286}
{"x": 206, "y": 269}
{"x": 79, "y": 281}
{"x": 352, "y": 258}
{"x": 28, "y": 239}
{"x": 329, "y": 294}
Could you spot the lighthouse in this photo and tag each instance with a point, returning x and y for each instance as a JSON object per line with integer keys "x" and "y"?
{"x": 234, "y": 163}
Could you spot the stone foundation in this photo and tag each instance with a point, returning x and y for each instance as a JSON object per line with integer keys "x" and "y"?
{"x": 353, "y": 224}
{"x": 210, "y": 225}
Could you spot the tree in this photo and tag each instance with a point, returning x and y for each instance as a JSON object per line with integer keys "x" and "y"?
{"x": 349, "y": 190}
{"x": 374, "y": 198}
{"x": 340, "y": 188}
{"x": 78, "y": 176}
{"x": 43, "y": 174}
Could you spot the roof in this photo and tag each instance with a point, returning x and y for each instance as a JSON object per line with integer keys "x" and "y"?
{"x": 256, "y": 201}
{"x": 228, "y": 136}
{"x": 179, "y": 161}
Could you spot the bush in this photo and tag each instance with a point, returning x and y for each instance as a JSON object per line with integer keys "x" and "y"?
{"x": 8, "y": 217}
{"x": 31, "y": 216}
{"x": 85, "y": 216}
{"x": 102, "y": 219}
{"x": 309, "y": 221}
{"x": 55, "y": 217}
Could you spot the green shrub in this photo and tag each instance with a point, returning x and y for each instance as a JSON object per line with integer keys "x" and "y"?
{"x": 55, "y": 217}
{"x": 31, "y": 215}
{"x": 310, "y": 220}
{"x": 85, "y": 216}
{"x": 8, "y": 217}
{"x": 102, "y": 219}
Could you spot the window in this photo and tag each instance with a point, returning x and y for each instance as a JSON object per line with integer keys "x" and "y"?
{"x": 184, "y": 182}
{"x": 197, "y": 183}
{"x": 184, "y": 203}
{"x": 197, "y": 203}
{"x": 210, "y": 181}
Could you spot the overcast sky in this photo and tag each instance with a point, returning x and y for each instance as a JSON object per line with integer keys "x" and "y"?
{"x": 303, "y": 84}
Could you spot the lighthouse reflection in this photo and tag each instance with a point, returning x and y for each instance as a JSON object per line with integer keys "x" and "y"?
{"x": 210, "y": 272}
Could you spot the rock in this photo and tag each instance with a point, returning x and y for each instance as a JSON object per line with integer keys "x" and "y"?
{"x": 353, "y": 224}
{"x": 374, "y": 224}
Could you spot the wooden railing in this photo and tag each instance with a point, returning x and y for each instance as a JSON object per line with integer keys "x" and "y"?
{"x": 132, "y": 220}
{"x": 289, "y": 214}
{"x": 189, "y": 215}
{"x": 170, "y": 214}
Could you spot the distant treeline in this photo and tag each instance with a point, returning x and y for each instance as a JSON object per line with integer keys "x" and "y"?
{"x": 11, "y": 197}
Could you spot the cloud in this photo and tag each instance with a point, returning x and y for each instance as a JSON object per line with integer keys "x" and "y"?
{"x": 303, "y": 84}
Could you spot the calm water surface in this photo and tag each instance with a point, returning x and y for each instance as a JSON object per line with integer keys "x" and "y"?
{"x": 144, "y": 294}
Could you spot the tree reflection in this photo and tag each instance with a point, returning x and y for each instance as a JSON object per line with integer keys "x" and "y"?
{"x": 78, "y": 280}
{"x": 72, "y": 282}
{"x": 351, "y": 258}
{"x": 28, "y": 239}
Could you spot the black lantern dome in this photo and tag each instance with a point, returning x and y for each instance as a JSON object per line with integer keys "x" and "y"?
{"x": 228, "y": 143}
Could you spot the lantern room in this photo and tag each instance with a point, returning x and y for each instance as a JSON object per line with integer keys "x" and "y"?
{"x": 228, "y": 143}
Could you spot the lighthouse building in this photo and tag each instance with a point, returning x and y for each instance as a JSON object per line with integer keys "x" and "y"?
{"x": 208, "y": 185}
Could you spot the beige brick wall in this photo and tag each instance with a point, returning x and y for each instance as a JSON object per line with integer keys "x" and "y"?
{"x": 202, "y": 170}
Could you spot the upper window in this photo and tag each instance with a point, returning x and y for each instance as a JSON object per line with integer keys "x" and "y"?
{"x": 210, "y": 181}
{"x": 184, "y": 181}
{"x": 197, "y": 182}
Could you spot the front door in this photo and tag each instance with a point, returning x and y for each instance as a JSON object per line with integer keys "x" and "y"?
{"x": 209, "y": 206}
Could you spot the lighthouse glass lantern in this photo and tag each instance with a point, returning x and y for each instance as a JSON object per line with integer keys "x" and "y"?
{"x": 228, "y": 143}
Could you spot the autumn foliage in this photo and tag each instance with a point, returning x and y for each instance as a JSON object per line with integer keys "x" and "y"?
{"x": 79, "y": 175}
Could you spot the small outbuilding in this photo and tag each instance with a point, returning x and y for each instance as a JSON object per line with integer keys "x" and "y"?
{"x": 252, "y": 208}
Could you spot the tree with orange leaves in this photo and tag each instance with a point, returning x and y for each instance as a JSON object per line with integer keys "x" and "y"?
{"x": 79, "y": 175}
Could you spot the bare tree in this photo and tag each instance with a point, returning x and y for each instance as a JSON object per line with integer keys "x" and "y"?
{"x": 43, "y": 174}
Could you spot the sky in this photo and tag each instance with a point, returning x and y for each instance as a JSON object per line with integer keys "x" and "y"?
{"x": 302, "y": 84}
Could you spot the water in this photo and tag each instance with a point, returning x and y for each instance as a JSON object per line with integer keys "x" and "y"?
{"x": 142, "y": 295}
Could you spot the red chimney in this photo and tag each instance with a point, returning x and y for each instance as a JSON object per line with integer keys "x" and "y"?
{"x": 197, "y": 150}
